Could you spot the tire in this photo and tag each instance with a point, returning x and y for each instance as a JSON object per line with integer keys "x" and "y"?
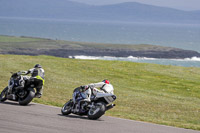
{"x": 100, "y": 107}
{"x": 66, "y": 109}
{"x": 3, "y": 95}
{"x": 28, "y": 98}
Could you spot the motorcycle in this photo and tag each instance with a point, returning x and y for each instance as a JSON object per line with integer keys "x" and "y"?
{"x": 20, "y": 88}
{"x": 94, "y": 109}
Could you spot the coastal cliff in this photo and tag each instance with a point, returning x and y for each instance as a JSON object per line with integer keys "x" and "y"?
{"x": 41, "y": 46}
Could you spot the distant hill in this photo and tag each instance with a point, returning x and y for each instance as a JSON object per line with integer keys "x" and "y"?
{"x": 65, "y": 9}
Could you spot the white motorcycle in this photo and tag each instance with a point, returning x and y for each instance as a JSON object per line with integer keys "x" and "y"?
{"x": 94, "y": 109}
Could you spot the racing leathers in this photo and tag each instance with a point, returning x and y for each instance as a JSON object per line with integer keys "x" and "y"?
{"x": 85, "y": 92}
{"x": 37, "y": 76}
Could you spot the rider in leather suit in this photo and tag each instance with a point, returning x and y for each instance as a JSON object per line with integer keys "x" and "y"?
{"x": 88, "y": 90}
{"x": 37, "y": 77}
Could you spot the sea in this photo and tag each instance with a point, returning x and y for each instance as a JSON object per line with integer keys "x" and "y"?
{"x": 184, "y": 36}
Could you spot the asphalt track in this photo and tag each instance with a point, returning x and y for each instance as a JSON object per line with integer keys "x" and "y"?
{"x": 37, "y": 118}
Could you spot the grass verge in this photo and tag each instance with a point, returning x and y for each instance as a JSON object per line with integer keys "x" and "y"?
{"x": 168, "y": 95}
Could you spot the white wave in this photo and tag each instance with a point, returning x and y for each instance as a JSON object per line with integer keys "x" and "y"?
{"x": 85, "y": 57}
{"x": 193, "y": 59}
{"x": 140, "y": 58}
{"x": 130, "y": 58}
{"x": 110, "y": 57}
{"x": 187, "y": 59}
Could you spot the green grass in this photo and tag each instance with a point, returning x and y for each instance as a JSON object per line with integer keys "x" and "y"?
{"x": 167, "y": 95}
{"x": 11, "y": 43}
{"x": 17, "y": 39}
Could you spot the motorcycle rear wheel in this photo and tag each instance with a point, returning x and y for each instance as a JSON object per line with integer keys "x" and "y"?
{"x": 3, "y": 95}
{"x": 98, "y": 111}
{"x": 28, "y": 98}
{"x": 66, "y": 109}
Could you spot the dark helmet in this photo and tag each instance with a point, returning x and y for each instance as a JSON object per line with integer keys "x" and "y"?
{"x": 106, "y": 81}
{"x": 37, "y": 66}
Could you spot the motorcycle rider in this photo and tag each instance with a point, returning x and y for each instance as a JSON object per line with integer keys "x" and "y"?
{"x": 37, "y": 76}
{"x": 88, "y": 90}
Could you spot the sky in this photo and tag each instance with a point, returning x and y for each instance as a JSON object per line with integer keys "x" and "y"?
{"x": 188, "y": 5}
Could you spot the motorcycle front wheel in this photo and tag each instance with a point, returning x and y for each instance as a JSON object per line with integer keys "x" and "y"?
{"x": 97, "y": 111}
{"x": 66, "y": 109}
{"x": 3, "y": 96}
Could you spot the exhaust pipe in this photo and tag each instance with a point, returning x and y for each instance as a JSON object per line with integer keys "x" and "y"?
{"x": 110, "y": 107}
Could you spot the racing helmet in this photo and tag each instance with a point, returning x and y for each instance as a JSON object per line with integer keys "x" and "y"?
{"x": 37, "y": 66}
{"x": 106, "y": 81}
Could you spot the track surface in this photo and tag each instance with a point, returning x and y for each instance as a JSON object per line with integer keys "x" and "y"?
{"x": 37, "y": 118}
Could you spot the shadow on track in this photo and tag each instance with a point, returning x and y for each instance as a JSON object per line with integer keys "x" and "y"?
{"x": 79, "y": 117}
{"x": 14, "y": 103}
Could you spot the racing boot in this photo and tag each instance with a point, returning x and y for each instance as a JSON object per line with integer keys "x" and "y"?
{"x": 38, "y": 93}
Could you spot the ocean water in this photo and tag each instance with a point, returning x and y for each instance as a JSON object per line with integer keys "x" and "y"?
{"x": 185, "y": 36}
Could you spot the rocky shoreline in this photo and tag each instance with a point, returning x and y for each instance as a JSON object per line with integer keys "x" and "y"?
{"x": 66, "y": 49}
{"x": 66, "y": 53}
